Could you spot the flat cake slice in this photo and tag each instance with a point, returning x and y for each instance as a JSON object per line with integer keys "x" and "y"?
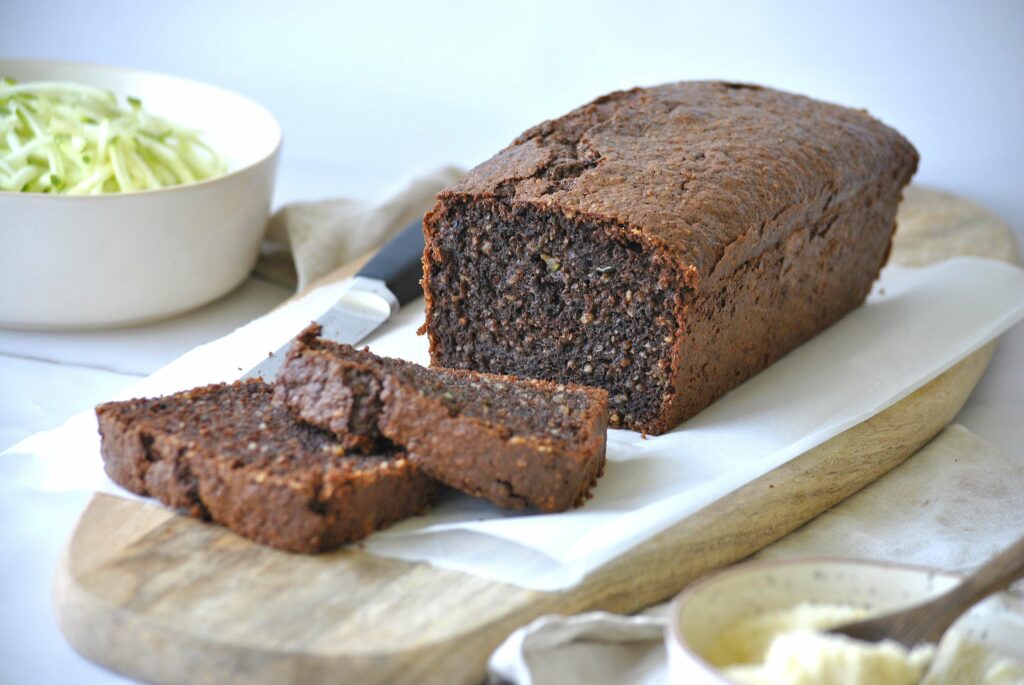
{"x": 512, "y": 441}
{"x": 226, "y": 453}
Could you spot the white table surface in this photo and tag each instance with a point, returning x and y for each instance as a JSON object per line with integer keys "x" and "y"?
{"x": 370, "y": 93}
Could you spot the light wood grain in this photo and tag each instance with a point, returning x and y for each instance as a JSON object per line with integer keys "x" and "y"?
{"x": 168, "y": 599}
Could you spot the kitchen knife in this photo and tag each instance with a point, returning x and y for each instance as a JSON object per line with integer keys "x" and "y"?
{"x": 390, "y": 279}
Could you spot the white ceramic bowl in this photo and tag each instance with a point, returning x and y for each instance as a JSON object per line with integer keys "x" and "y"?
{"x": 705, "y": 609}
{"x": 110, "y": 260}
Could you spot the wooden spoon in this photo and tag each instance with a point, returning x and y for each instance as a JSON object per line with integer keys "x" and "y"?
{"x": 927, "y": 622}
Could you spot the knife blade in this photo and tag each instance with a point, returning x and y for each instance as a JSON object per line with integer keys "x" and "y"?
{"x": 389, "y": 280}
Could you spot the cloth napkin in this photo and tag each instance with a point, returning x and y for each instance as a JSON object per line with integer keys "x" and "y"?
{"x": 307, "y": 240}
{"x": 951, "y": 506}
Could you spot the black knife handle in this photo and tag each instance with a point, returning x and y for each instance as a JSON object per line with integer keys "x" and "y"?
{"x": 400, "y": 263}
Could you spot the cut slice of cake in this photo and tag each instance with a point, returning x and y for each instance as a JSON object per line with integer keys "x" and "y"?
{"x": 515, "y": 442}
{"x": 226, "y": 453}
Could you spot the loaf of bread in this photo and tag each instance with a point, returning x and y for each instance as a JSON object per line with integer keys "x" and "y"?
{"x": 515, "y": 442}
{"x": 664, "y": 244}
{"x": 227, "y": 454}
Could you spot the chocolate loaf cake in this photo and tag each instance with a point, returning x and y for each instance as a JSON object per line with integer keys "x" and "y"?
{"x": 663, "y": 243}
{"x": 226, "y": 453}
{"x": 515, "y": 442}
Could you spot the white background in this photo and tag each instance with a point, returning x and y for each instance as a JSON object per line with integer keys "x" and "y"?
{"x": 369, "y": 93}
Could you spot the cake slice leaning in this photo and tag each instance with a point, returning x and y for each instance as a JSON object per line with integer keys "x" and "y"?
{"x": 226, "y": 453}
{"x": 515, "y": 442}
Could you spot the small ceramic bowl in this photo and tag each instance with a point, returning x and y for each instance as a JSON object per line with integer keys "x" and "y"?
{"x": 110, "y": 260}
{"x": 700, "y": 614}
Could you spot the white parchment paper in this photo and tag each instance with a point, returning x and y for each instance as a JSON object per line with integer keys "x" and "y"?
{"x": 916, "y": 324}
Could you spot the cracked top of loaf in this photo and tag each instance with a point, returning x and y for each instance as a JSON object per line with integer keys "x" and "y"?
{"x": 690, "y": 168}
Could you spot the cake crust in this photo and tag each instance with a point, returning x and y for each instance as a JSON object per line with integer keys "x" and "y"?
{"x": 482, "y": 459}
{"x": 693, "y": 169}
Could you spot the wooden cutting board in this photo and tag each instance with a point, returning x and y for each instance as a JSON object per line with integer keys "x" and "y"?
{"x": 168, "y": 599}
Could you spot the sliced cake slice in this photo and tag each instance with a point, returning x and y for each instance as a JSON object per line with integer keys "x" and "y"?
{"x": 515, "y": 442}
{"x": 228, "y": 454}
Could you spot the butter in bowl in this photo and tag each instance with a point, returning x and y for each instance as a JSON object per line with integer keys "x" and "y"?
{"x": 765, "y": 622}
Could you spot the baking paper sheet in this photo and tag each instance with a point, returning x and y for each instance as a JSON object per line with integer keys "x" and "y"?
{"x": 916, "y": 324}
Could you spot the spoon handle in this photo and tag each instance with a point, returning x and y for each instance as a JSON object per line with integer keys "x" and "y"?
{"x": 994, "y": 575}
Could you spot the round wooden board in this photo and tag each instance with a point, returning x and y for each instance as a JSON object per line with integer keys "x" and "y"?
{"x": 168, "y": 599}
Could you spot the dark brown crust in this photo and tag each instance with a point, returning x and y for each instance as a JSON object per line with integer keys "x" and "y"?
{"x": 304, "y": 496}
{"x": 481, "y": 460}
{"x": 693, "y": 168}
{"x": 143, "y": 461}
{"x": 771, "y": 213}
{"x": 481, "y": 457}
{"x": 311, "y": 515}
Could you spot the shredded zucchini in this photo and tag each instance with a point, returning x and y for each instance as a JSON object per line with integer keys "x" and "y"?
{"x": 72, "y": 138}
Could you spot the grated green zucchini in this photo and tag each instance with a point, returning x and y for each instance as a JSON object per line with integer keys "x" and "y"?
{"x": 72, "y": 138}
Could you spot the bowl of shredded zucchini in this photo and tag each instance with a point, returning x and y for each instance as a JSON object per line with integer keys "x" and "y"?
{"x": 125, "y": 196}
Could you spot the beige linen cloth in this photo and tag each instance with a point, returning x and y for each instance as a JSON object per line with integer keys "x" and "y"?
{"x": 950, "y": 506}
{"x": 305, "y": 241}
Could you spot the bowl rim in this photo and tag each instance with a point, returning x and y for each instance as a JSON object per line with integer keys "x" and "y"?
{"x": 673, "y": 634}
{"x": 278, "y": 134}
